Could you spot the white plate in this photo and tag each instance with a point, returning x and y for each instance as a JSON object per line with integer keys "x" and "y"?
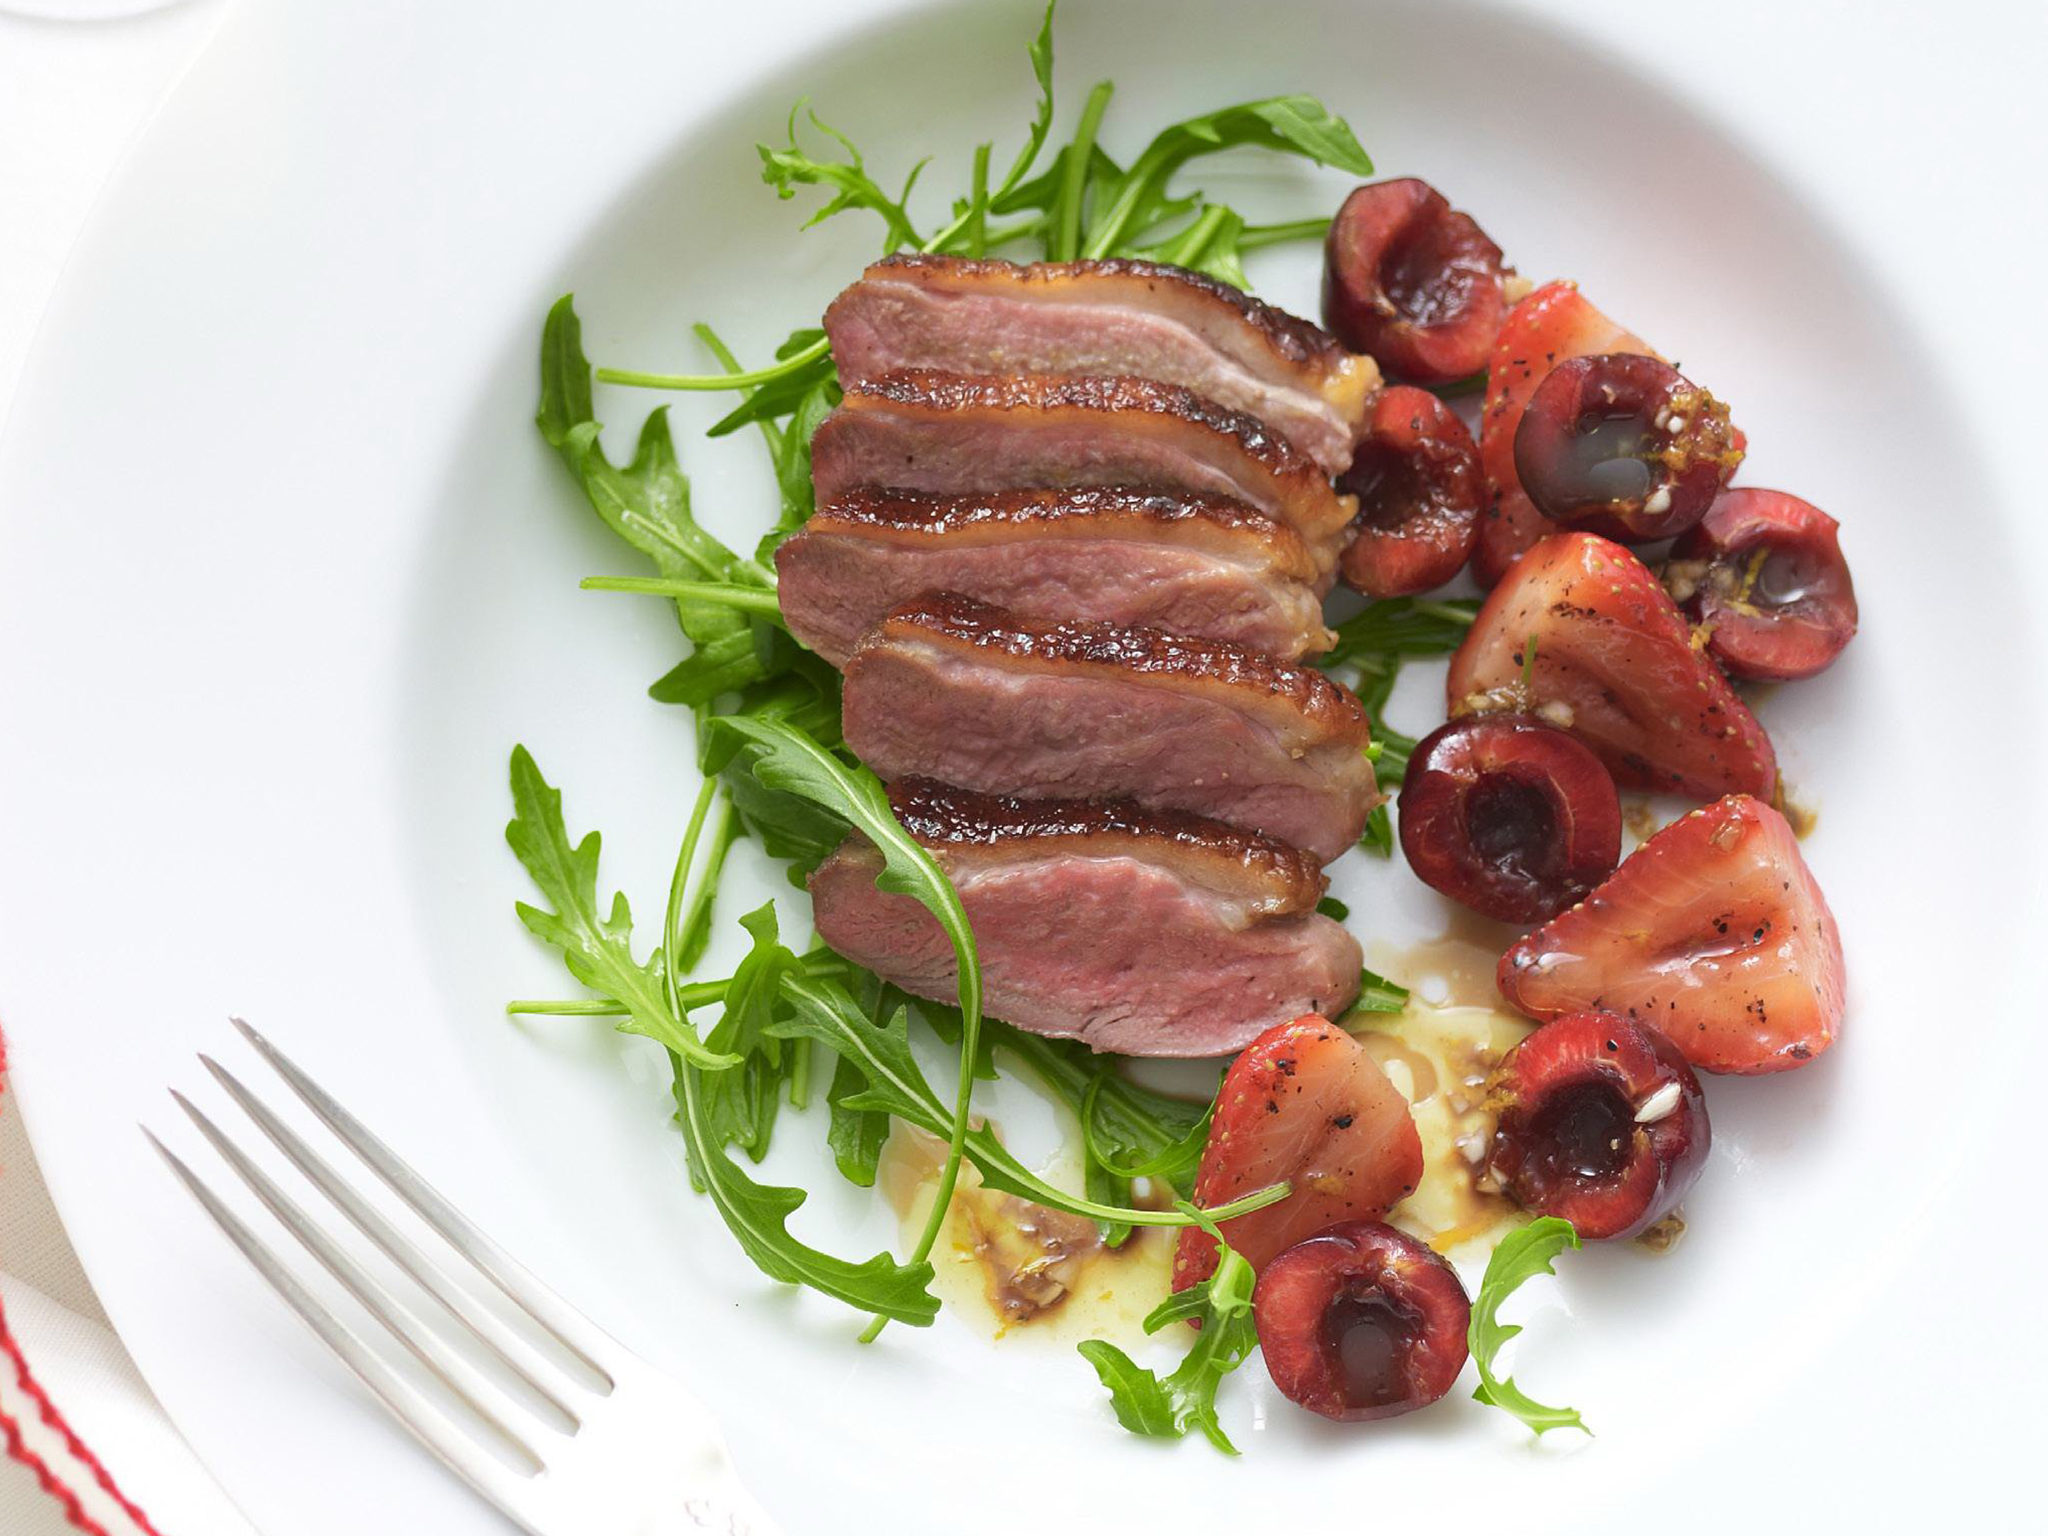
{"x": 287, "y": 573}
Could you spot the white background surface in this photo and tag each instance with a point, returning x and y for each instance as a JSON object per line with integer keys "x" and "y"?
{"x": 1914, "y": 127}
{"x": 71, "y": 97}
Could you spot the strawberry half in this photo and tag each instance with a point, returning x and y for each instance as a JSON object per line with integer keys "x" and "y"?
{"x": 1615, "y": 665}
{"x": 1714, "y": 930}
{"x": 1306, "y": 1103}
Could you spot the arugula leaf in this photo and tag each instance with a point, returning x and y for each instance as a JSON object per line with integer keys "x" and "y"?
{"x": 1470, "y": 384}
{"x": 1520, "y": 1256}
{"x": 648, "y": 505}
{"x": 757, "y": 1215}
{"x": 1378, "y": 837}
{"x": 787, "y": 169}
{"x": 856, "y": 1135}
{"x": 648, "y": 502}
{"x": 792, "y": 762}
{"x": 597, "y": 948}
{"x": 1401, "y": 627}
{"x": 1295, "y": 124}
{"x": 1041, "y": 123}
{"x": 1376, "y": 994}
{"x": 1127, "y": 1131}
{"x": 1212, "y": 244}
{"x": 824, "y": 1011}
{"x": 740, "y": 1107}
{"x": 1063, "y": 217}
{"x": 1185, "y": 1399}
{"x": 717, "y": 1110}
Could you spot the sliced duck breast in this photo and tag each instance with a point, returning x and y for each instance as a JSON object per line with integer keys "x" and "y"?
{"x": 950, "y": 689}
{"x": 1189, "y": 565}
{"x": 1140, "y": 319}
{"x": 920, "y": 429}
{"x": 1145, "y": 932}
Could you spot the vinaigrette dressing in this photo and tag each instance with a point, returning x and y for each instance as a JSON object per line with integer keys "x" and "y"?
{"x": 1007, "y": 1266}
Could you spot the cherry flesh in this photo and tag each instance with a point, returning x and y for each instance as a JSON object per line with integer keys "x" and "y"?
{"x": 1764, "y": 573}
{"x": 1361, "y": 1322}
{"x": 1416, "y": 477}
{"x": 1601, "y": 1122}
{"x": 1623, "y": 445}
{"x": 1413, "y": 281}
{"x": 1509, "y": 815}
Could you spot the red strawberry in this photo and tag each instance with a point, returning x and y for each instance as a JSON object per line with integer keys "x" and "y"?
{"x": 1614, "y": 664}
{"x": 1714, "y": 930}
{"x": 1303, "y": 1102}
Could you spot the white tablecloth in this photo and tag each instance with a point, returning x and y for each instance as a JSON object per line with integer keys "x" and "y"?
{"x": 72, "y": 96}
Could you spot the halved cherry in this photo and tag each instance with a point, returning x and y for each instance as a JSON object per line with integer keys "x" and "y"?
{"x": 1623, "y": 445}
{"x": 1764, "y": 574}
{"x": 1416, "y": 477}
{"x": 1509, "y": 815}
{"x": 1601, "y": 1122}
{"x": 1414, "y": 282}
{"x": 1361, "y": 1322}
{"x": 1551, "y": 324}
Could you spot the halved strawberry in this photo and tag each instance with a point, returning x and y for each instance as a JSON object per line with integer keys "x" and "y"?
{"x": 1306, "y": 1103}
{"x": 1551, "y": 324}
{"x": 1714, "y": 930}
{"x": 1615, "y": 665}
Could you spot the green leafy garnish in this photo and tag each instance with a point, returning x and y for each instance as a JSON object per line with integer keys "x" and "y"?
{"x": 598, "y": 955}
{"x": 1127, "y": 1131}
{"x": 1378, "y": 837}
{"x": 1184, "y": 1399}
{"x": 1371, "y": 646}
{"x": 1520, "y": 1256}
{"x": 826, "y": 1012}
{"x": 1376, "y": 994}
{"x": 596, "y": 946}
{"x": 1331, "y": 907}
{"x": 1137, "y": 201}
{"x": 788, "y": 761}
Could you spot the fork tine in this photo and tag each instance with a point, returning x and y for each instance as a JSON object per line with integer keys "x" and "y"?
{"x": 455, "y": 1374}
{"x": 456, "y": 1449}
{"x": 517, "y": 1356}
{"x": 576, "y": 1332}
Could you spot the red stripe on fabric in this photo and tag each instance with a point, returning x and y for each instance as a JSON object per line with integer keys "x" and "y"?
{"x": 21, "y": 1451}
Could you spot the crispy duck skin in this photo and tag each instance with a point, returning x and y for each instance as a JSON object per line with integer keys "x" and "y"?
{"x": 1189, "y": 565}
{"x": 950, "y": 689}
{"x": 1139, "y": 319}
{"x": 1144, "y": 932}
{"x": 924, "y": 430}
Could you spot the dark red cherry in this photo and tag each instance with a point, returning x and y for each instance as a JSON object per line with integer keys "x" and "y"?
{"x": 1601, "y": 1122}
{"x": 1763, "y": 573}
{"x": 1416, "y": 477}
{"x": 1623, "y": 445}
{"x": 1361, "y": 1322}
{"x": 1509, "y": 815}
{"x": 1414, "y": 282}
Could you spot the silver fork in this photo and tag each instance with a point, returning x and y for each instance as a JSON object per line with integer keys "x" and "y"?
{"x": 604, "y": 1443}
